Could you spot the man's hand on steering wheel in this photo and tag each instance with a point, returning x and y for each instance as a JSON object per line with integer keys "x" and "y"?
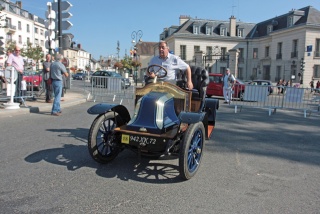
{"x": 154, "y": 71}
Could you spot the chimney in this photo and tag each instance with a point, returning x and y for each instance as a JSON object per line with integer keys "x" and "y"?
{"x": 232, "y": 26}
{"x": 183, "y": 19}
{"x": 19, "y": 4}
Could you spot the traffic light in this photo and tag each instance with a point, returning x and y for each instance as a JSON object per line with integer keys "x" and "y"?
{"x": 1, "y": 46}
{"x": 67, "y": 41}
{"x": 302, "y": 63}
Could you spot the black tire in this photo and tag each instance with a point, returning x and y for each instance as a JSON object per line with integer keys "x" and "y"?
{"x": 241, "y": 95}
{"x": 191, "y": 150}
{"x": 101, "y": 142}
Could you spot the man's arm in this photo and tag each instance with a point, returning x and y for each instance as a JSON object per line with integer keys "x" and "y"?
{"x": 189, "y": 80}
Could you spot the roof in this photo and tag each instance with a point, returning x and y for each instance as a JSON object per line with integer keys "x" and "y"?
{"x": 145, "y": 48}
{"x": 304, "y": 16}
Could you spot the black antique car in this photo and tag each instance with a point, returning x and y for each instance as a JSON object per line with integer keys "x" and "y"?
{"x": 168, "y": 120}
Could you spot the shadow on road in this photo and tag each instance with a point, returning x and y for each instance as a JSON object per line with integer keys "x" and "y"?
{"x": 124, "y": 167}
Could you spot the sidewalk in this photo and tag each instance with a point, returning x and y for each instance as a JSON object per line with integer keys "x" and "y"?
{"x": 72, "y": 97}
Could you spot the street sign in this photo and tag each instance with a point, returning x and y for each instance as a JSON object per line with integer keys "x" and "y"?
{"x": 51, "y": 25}
{"x": 52, "y": 36}
{"x": 65, "y": 6}
{"x": 51, "y": 14}
{"x": 66, "y": 25}
{"x": 66, "y": 15}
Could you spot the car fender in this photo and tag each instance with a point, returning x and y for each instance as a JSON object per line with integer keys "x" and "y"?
{"x": 191, "y": 117}
{"x": 211, "y": 107}
{"x": 103, "y": 108}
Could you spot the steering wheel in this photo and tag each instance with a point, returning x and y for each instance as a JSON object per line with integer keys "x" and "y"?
{"x": 7, "y": 74}
{"x": 156, "y": 70}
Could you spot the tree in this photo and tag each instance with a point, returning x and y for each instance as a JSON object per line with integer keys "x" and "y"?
{"x": 33, "y": 52}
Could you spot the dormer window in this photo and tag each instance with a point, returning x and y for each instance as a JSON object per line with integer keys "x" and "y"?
{"x": 196, "y": 28}
{"x": 240, "y": 32}
{"x": 209, "y": 30}
{"x": 290, "y": 21}
{"x": 223, "y": 30}
{"x": 269, "y": 28}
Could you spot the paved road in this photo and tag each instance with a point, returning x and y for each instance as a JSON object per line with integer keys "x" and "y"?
{"x": 253, "y": 164}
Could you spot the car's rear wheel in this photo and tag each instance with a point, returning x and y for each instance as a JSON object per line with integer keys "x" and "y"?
{"x": 241, "y": 95}
{"x": 191, "y": 150}
{"x": 102, "y": 143}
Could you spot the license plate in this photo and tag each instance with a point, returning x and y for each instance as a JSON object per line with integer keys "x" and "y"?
{"x": 126, "y": 139}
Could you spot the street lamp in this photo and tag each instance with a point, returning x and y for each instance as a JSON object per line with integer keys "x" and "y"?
{"x": 136, "y": 39}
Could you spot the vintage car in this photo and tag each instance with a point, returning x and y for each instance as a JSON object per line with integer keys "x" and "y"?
{"x": 167, "y": 120}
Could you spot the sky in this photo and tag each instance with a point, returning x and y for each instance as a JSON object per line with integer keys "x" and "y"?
{"x": 98, "y": 25}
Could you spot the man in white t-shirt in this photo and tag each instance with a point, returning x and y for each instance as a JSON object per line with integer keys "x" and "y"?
{"x": 228, "y": 81}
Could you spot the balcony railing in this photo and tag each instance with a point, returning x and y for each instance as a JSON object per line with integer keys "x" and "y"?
{"x": 279, "y": 56}
{"x": 11, "y": 27}
{"x": 294, "y": 54}
{"x": 240, "y": 60}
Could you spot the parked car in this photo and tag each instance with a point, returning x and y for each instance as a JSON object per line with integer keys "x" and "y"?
{"x": 79, "y": 76}
{"x": 125, "y": 83}
{"x": 215, "y": 87}
{"x": 263, "y": 82}
{"x": 33, "y": 80}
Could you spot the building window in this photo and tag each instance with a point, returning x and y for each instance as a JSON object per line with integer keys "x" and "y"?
{"x": 36, "y": 30}
{"x": 42, "y": 43}
{"x": 223, "y": 53}
{"x": 28, "y": 40}
{"x": 240, "y": 73}
{"x": 208, "y": 30}
{"x": 316, "y": 72}
{"x": 183, "y": 52}
{"x": 196, "y": 29}
{"x": 28, "y": 28}
{"x": 19, "y": 25}
{"x": 20, "y": 39}
{"x": 241, "y": 55}
{"x": 223, "y": 31}
{"x": 209, "y": 52}
{"x": 266, "y": 53}
{"x": 255, "y": 53}
{"x": 294, "y": 53}
{"x": 240, "y": 32}
{"x": 269, "y": 29}
{"x": 290, "y": 21}
{"x": 317, "y": 51}
{"x": 41, "y": 32}
{"x": 278, "y": 74}
{"x": 279, "y": 50}
{"x": 36, "y": 42}
{"x": 196, "y": 48}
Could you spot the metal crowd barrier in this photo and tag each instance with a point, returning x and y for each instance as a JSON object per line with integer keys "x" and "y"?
{"x": 274, "y": 97}
{"x": 29, "y": 93}
{"x": 110, "y": 88}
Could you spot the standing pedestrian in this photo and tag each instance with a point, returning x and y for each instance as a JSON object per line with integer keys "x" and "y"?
{"x": 318, "y": 87}
{"x": 16, "y": 61}
{"x": 311, "y": 85}
{"x": 57, "y": 69}
{"x": 228, "y": 81}
{"x": 46, "y": 77}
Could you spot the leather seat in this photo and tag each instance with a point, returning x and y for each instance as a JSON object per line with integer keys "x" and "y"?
{"x": 200, "y": 81}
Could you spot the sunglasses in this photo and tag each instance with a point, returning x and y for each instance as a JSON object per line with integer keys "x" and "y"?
{"x": 18, "y": 50}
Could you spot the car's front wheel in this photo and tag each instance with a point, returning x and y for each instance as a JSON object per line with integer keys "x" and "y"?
{"x": 102, "y": 143}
